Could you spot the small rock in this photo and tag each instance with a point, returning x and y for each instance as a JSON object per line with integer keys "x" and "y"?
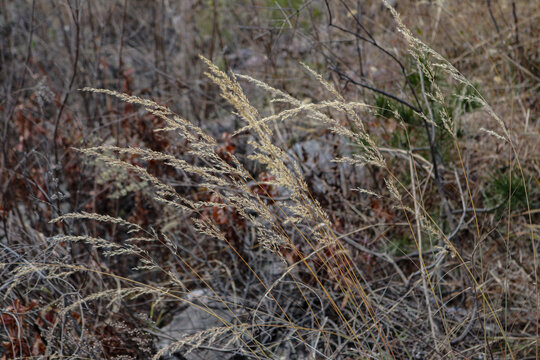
{"x": 190, "y": 321}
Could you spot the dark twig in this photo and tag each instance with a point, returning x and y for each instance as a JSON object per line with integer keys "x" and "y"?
{"x": 478, "y": 210}
{"x": 431, "y": 140}
{"x": 488, "y": 3}
{"x": 520, "y": 56}
{"x": 462, "y": 218}
{"x": 75, "y": 14}
{"x": 120, "y": 50}
{"x": 467, "y": 329}
{"x": 371, "y": 40}
{"x": 349, "y": 79}
{"x": 28, "y": 46}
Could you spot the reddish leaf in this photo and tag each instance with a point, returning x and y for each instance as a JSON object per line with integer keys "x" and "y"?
{"x": 381, "y": 212}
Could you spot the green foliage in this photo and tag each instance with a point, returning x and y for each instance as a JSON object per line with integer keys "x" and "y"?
{"x": 280, "y": 9}
{"x": 508, "y": 187}
{"x": 207, "y": 19}
{"x": 430, "y": 76}
{"x": 399, "y": 246}
{"x": 384, "y": 106}
{"x": 295, "y": 4}
{"x": 407, "y": 115}
{"x": 466, "y": 98}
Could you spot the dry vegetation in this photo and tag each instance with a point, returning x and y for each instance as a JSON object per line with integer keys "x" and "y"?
{"x": 330, "y": 179}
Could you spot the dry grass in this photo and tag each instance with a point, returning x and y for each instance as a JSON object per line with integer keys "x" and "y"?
{"x": 401, "y": 226}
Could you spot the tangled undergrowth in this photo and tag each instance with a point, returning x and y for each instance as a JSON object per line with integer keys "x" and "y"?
{"x": 322, "y": 229}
